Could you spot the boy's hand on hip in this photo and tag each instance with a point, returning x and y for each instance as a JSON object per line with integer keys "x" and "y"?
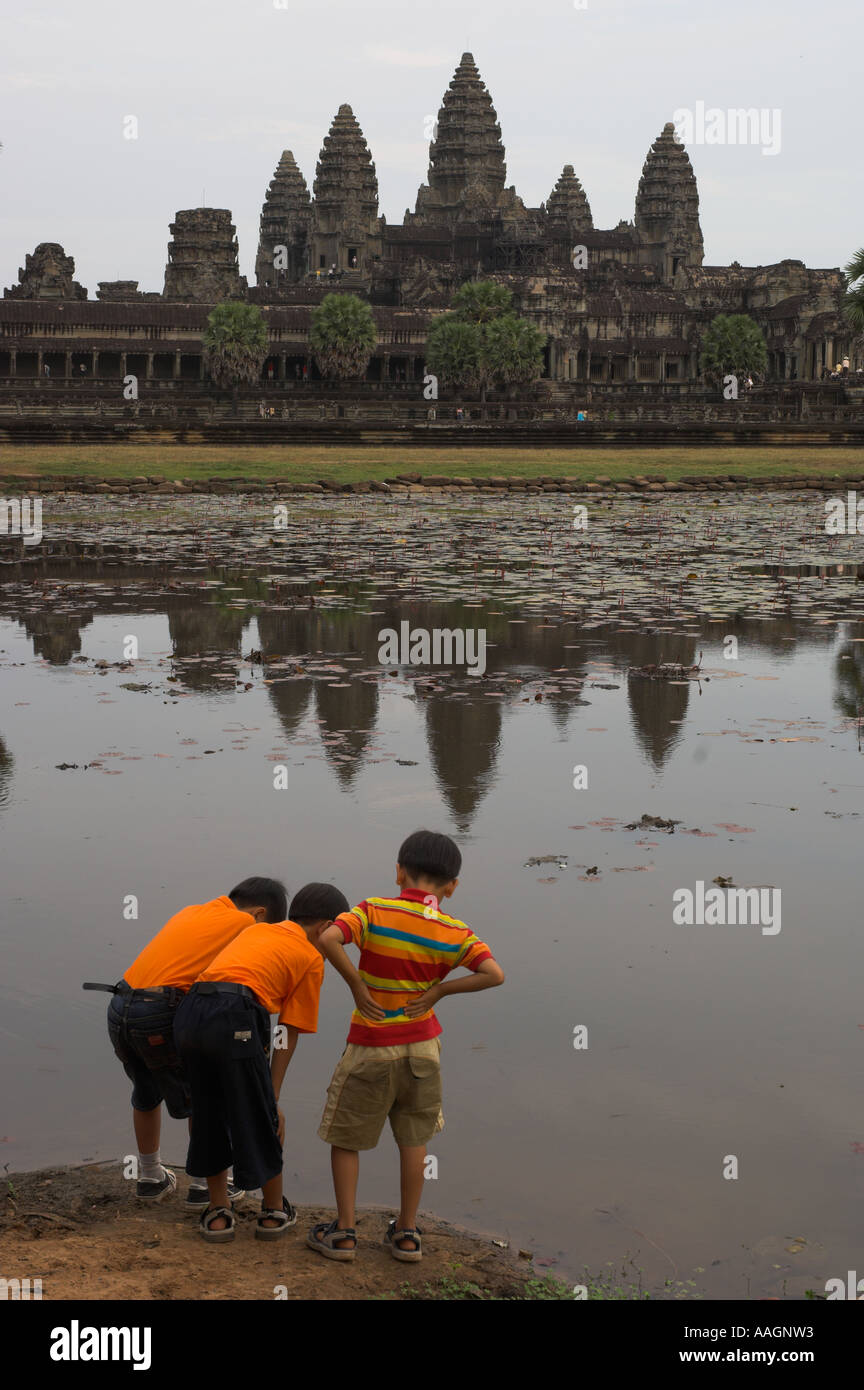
{"x": 366, "y": 1004}
{"x": 424, "y": 1002}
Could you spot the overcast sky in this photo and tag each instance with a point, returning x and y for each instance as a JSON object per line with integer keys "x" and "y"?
{"x": 220, "y": 87}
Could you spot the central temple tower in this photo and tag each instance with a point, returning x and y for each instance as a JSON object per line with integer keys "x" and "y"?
{"x": 467, "y": 171}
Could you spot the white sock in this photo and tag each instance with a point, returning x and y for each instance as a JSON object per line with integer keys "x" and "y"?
{"x": 150, "y": 1167}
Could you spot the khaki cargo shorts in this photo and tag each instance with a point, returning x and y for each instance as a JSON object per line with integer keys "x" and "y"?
{"x": 401, "y": 1083}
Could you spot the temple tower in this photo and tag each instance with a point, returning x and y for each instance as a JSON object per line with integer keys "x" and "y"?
{"x": 568, "y": 206}
{"x": 203, "y": 265}
{"x": 346, "y": 231}
{"x": 667, "y": 207}
{"x": 467, "y": 170}
{"x": 47, "y": 274}
{"x": 286, "y": 222}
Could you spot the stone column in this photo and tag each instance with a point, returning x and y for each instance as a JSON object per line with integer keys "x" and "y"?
{"x": 94, "y": 362}
{"x": 67, "y": 365}
{"x": 662, "y": 367}
{"x": 39, "y": 357}
{"x": 149, "y": 372}
{"x": 122, "y": 365}
{"x": 13, "y": 362}
{"x": 176, "y": 371}
{"x": 282, "y": 365}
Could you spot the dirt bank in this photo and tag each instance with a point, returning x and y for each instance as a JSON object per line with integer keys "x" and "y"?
{"x": 85, "y": 1237}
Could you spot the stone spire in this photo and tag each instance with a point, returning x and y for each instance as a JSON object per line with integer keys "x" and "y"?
{"x": 345, "y": 231}
{"x": 286, "y": 221}
{"x": 47, "y": 274}
{"x": 568, "y": 206}
{"x": 203, "y": 267}
{"x": 467, "y": 170}
{"x": 667, "y": 206}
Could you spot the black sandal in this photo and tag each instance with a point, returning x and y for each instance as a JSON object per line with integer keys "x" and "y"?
{"x": 286, "y": 1216}
{"x": 205, "y": 1225}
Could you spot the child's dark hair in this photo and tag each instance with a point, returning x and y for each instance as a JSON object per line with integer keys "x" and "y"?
{"x": 317, "y": 902}
{"x": 425, "y": 854}
{"x": 262, "y": 892}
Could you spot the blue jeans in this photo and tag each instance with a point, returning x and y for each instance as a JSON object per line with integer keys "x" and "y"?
{"x": 141, "y": 1029}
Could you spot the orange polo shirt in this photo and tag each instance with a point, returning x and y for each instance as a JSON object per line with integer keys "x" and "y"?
{"x": 186, "y": 944}
{"x": 278, "y": 962}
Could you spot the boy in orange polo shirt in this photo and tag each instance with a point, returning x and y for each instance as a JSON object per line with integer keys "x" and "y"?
{"x": 141, "y": 1016}
{"x": 223, "y": 1036}
{"x": 390, "y": 1068}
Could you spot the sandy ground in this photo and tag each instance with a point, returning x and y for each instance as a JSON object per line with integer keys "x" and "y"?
{"x": 86, "y": 1237}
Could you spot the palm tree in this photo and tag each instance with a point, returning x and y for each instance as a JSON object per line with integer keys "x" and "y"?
{"x": 854, "y": 301}
{"x": 235, "y": 344}
{"x": 342, "y": 335}
{"x": 480, "y": 301}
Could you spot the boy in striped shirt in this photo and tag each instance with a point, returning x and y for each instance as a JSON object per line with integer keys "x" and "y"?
{"x": 390, "y": 1068}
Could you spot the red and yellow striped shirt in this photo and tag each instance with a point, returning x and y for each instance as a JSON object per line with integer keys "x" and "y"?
{"x": 406, "y": 944}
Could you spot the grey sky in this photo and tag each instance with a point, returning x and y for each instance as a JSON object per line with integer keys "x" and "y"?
{"x": 221, "y": 87}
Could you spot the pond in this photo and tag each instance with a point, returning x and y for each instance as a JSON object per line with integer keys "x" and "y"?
{"x": 594, "y": 1104}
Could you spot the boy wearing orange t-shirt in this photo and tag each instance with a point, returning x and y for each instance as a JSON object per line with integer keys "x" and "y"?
{"x": 223, "y": 1036}
{"x": 390, "y": 1068}
{"x": 141, "y": 1016}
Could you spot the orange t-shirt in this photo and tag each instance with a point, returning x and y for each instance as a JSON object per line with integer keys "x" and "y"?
{"x": 278, "y": 962}
{"x": 186, "y": 944}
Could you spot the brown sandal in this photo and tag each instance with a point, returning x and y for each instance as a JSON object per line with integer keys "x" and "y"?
{"x": 323, "y": 1238}
{"x": 409, "y": 1256}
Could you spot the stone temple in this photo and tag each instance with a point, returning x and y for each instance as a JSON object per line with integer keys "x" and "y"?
{"x": 619, "y": 306}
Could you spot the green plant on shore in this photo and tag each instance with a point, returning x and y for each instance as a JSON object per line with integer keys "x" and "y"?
{"x": 606, "y": 1287}
{"x": 465, "y": 1290}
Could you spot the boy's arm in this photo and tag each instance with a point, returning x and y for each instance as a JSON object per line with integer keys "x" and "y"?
{"x": 332, "y": 943}
{"x": 278, "y": 1067}
{"x": 486, "y": 976}
{"x": 281, "y": 1057}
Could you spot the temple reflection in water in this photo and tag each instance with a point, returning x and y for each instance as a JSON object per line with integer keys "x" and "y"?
{"x": 326, "y": 684}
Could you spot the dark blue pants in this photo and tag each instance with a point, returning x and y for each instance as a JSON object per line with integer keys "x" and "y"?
{"x": 223, "y": 1042}
{"x": 141, "y": 1029}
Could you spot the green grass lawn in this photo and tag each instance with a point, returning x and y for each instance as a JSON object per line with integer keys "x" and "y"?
{"x": 307, "y": 464}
